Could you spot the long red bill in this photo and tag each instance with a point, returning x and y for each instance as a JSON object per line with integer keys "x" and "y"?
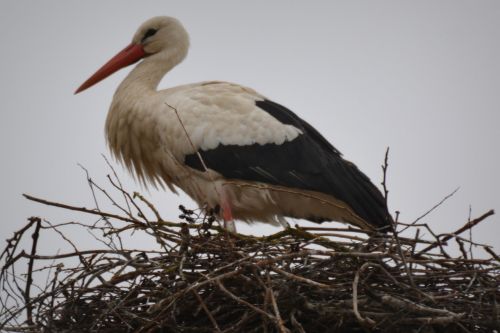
{"x": 126, "y": 57}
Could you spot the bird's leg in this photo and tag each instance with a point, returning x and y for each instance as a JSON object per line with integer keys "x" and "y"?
{"x": 227, "y": 214}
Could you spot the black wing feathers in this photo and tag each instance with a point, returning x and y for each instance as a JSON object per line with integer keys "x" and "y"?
{"x": 308, "y": 162}
{"x": 287, "y": 117}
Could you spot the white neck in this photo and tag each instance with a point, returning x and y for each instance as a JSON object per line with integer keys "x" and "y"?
{"x": 146, "y": 76}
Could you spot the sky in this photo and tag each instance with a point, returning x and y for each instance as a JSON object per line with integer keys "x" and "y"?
{"x": 420, "y": 77}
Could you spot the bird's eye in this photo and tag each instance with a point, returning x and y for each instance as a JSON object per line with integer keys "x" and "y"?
{"x": 148, "y": 34}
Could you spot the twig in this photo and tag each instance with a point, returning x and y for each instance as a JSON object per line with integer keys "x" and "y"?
{"x": 228, "y": 225}
{"x": 300, "y": 278}
{"x": 29, "y": 279}
{"x": 81, "y": 209}
{"x": 241, "y": 301}
{"x": 433, "y": 207}
{"x": 281, "y": 325}
{"x": 120, "y": 186}
{"x": 365, "y": 322}
{"x": 467, "y": 226}
{"x": 384, "y": 178}
{"x": 207, "y": 311}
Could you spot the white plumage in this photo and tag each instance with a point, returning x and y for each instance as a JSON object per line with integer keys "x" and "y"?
{"x": 161, "y": 135}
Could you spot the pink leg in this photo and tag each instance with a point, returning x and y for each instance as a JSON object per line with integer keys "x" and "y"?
{"x": 227, "y": 214}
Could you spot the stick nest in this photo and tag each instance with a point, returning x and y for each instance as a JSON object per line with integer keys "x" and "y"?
{"x": 193, "y": 276}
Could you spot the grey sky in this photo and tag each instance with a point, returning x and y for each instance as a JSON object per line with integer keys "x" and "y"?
{"x": 421, "y": 77}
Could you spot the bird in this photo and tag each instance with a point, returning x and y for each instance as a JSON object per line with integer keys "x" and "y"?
{"x": 227, "y": 146}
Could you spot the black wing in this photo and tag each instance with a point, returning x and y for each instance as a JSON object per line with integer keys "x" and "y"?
{"x": 308, "y": 162}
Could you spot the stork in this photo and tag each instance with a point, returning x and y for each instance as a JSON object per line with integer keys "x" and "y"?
{"x": 226, "y": 145}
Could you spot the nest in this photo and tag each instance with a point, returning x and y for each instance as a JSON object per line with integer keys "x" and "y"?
{"x": 197, "y": 277}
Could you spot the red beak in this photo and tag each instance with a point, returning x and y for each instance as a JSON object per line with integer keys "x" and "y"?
{"x": 126, "y": 57}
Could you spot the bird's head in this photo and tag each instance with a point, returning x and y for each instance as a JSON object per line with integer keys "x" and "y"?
{"x": 160, "y": 37}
